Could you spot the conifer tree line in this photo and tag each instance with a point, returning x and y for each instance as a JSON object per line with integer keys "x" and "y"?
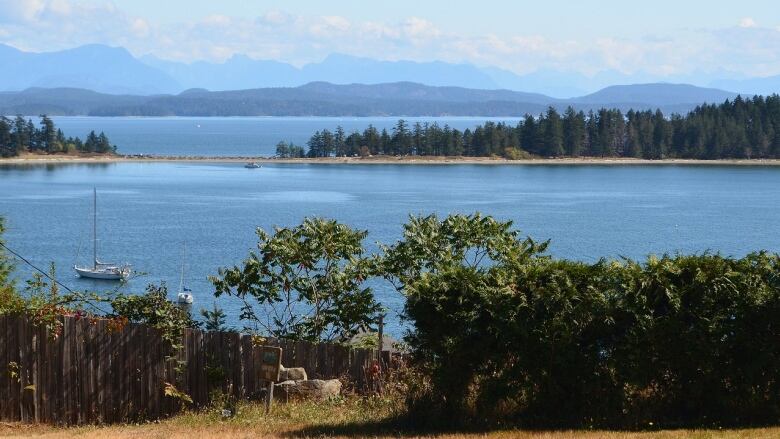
{"x": 20, "y": 135}
{"x": 739, "y": 128}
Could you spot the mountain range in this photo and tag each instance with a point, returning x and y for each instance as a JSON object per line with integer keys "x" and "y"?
{"x": 114, "y": 70}
{"x": 327, "y": 99}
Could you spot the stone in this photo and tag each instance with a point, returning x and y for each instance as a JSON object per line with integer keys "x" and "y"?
{"x": 308, "y": 389}
{"x": 292, "y": 374}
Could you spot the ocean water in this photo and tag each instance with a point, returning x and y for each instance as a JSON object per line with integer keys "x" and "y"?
{"x": 230, "y": 136}
{"x": 146, "y": 211}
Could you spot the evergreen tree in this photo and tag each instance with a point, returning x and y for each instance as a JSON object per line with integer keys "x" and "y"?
{"x": 553, "y": 133}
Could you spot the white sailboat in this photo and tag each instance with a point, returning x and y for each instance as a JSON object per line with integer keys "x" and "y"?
{"x": 101, "y": 270}
{"x": 185, "y": 294}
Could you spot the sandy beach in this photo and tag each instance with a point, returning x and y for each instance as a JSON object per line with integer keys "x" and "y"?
{"x": 32, "y": 159}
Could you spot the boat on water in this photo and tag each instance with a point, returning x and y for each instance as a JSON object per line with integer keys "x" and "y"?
{"x": 184, "y": 296}
{"x": 252, "y": 165}
{"x": 101, "y": 270}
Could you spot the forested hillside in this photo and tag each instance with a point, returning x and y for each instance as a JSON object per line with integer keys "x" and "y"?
{"x": 739, "y": 128}
{"x": 399, "y": 99}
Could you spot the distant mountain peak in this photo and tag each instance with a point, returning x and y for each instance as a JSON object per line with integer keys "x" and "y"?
{"x": 113, "y": 69}
{"x": 193, "y": 91}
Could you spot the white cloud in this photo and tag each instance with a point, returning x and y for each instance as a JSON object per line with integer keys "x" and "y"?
{"x": 747, "y": 22}
{"x": 15, "y": 11}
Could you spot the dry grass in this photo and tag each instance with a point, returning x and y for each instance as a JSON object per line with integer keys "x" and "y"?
{"x": 344, "y": 418}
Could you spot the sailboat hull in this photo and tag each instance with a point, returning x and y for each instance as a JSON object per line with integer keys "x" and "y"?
{"x": 101, "y": 273}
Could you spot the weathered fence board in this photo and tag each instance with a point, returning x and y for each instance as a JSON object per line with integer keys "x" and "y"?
{"x": 93, "y": 373}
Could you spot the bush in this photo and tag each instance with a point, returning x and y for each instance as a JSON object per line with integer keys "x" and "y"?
{"x": 154, "y": 309}
{"x": 533, "y": 341}
{"x": 305, "y": 283}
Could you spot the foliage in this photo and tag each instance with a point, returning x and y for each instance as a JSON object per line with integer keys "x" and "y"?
{"x": 154, "y": 309}
{"x": 171, "y": 391}
{"x": 367, "y": 340}
{"x": 677, "y": 340}
{"x": 741, "y": 128}
{"x": 214, "y": 319}
{"x": 305, "y": 283}
{"x": 6, "y": 264}
{"x": 286, "y": 150}
{"x": 430, "y": 246}
{"x": 41, "y": 301}
{"x": 18, "y": 136}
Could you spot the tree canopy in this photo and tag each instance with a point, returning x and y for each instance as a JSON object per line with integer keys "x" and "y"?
{"x": 20, "y": 135}
{"x": 740, "y": 128}
{"x": 306, "y": 283}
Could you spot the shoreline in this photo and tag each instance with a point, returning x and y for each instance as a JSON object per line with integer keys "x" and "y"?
{"x": 378, "y": 160}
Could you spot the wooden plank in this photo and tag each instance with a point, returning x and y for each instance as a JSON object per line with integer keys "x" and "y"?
{"x": 104, "y": 363}
{"x": 5, "y": 383}
{"x": 11, "y": 409}
{"x": 196, "y": 361}
{"x": 247, "y": 367}
{"x": 126, "y": 377}
{"x": 94, "y": 372}
{"x": 223, "y": 350}
{"x": 322, "y": 360}
{"x": 113, "y": 369}
{"x": 235, "y": 358}
{"x": 153, "y": 357}
{"x": 15, "y": 390}
{"x": 149, "y": 371}
{"x": 47, "y": 360}
{"x": 58, "y": 376}
{"x": 25, "y": 370}
{"x": 256, "y": 360}
{"x": 67, "y": 342}
{"x": 80, "y": 360}
{"x": 133, "y": 383}
{"x": 38, "y": 356}
{"x": 143, "y": 377}
{"x": 189, "y": 372}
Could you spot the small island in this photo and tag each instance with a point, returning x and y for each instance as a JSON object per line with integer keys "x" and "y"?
{"x": 738, "y": 129}
{"x": 19, "y": 137}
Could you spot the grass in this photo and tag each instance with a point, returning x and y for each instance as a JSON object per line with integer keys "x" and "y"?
{"x": 349, "y": 418}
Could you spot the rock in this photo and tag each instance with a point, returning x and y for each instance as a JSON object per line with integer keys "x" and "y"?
{"x": 308, "y": 389}
{"x": 292, "y": 374}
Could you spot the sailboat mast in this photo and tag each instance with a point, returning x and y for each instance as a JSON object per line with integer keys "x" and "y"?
{"x": 94, "y": 226}
{"x": 183, "y": 261}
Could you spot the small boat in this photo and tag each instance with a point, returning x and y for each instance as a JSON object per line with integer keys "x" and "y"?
{"x": 104, "y": 271}
{"x": 184, "y": 296}
{"x": 101, "y": 270}
{"x": 252, "y": 165}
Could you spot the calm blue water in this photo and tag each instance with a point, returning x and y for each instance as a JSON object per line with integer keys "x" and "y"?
{"x": 146, "y": 210}
{"x": 230, "y": 136}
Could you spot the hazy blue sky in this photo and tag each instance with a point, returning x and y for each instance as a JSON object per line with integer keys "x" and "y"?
{"x": 660, "y": 37}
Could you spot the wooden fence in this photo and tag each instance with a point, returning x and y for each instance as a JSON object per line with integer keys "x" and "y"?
{"x": 92, "y": 374}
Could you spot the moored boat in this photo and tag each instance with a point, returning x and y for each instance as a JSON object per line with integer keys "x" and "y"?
{"x": 184, "y": 296}
{"x": 101, "y": 270}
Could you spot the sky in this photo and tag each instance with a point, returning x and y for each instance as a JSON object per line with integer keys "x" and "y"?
{"x": 661, "y": 38}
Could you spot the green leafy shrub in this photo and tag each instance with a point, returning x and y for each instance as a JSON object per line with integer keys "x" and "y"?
{"x": 676, "y": 340}
{"x": 306, "y": 283}
{"x": 154, "y": 309}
